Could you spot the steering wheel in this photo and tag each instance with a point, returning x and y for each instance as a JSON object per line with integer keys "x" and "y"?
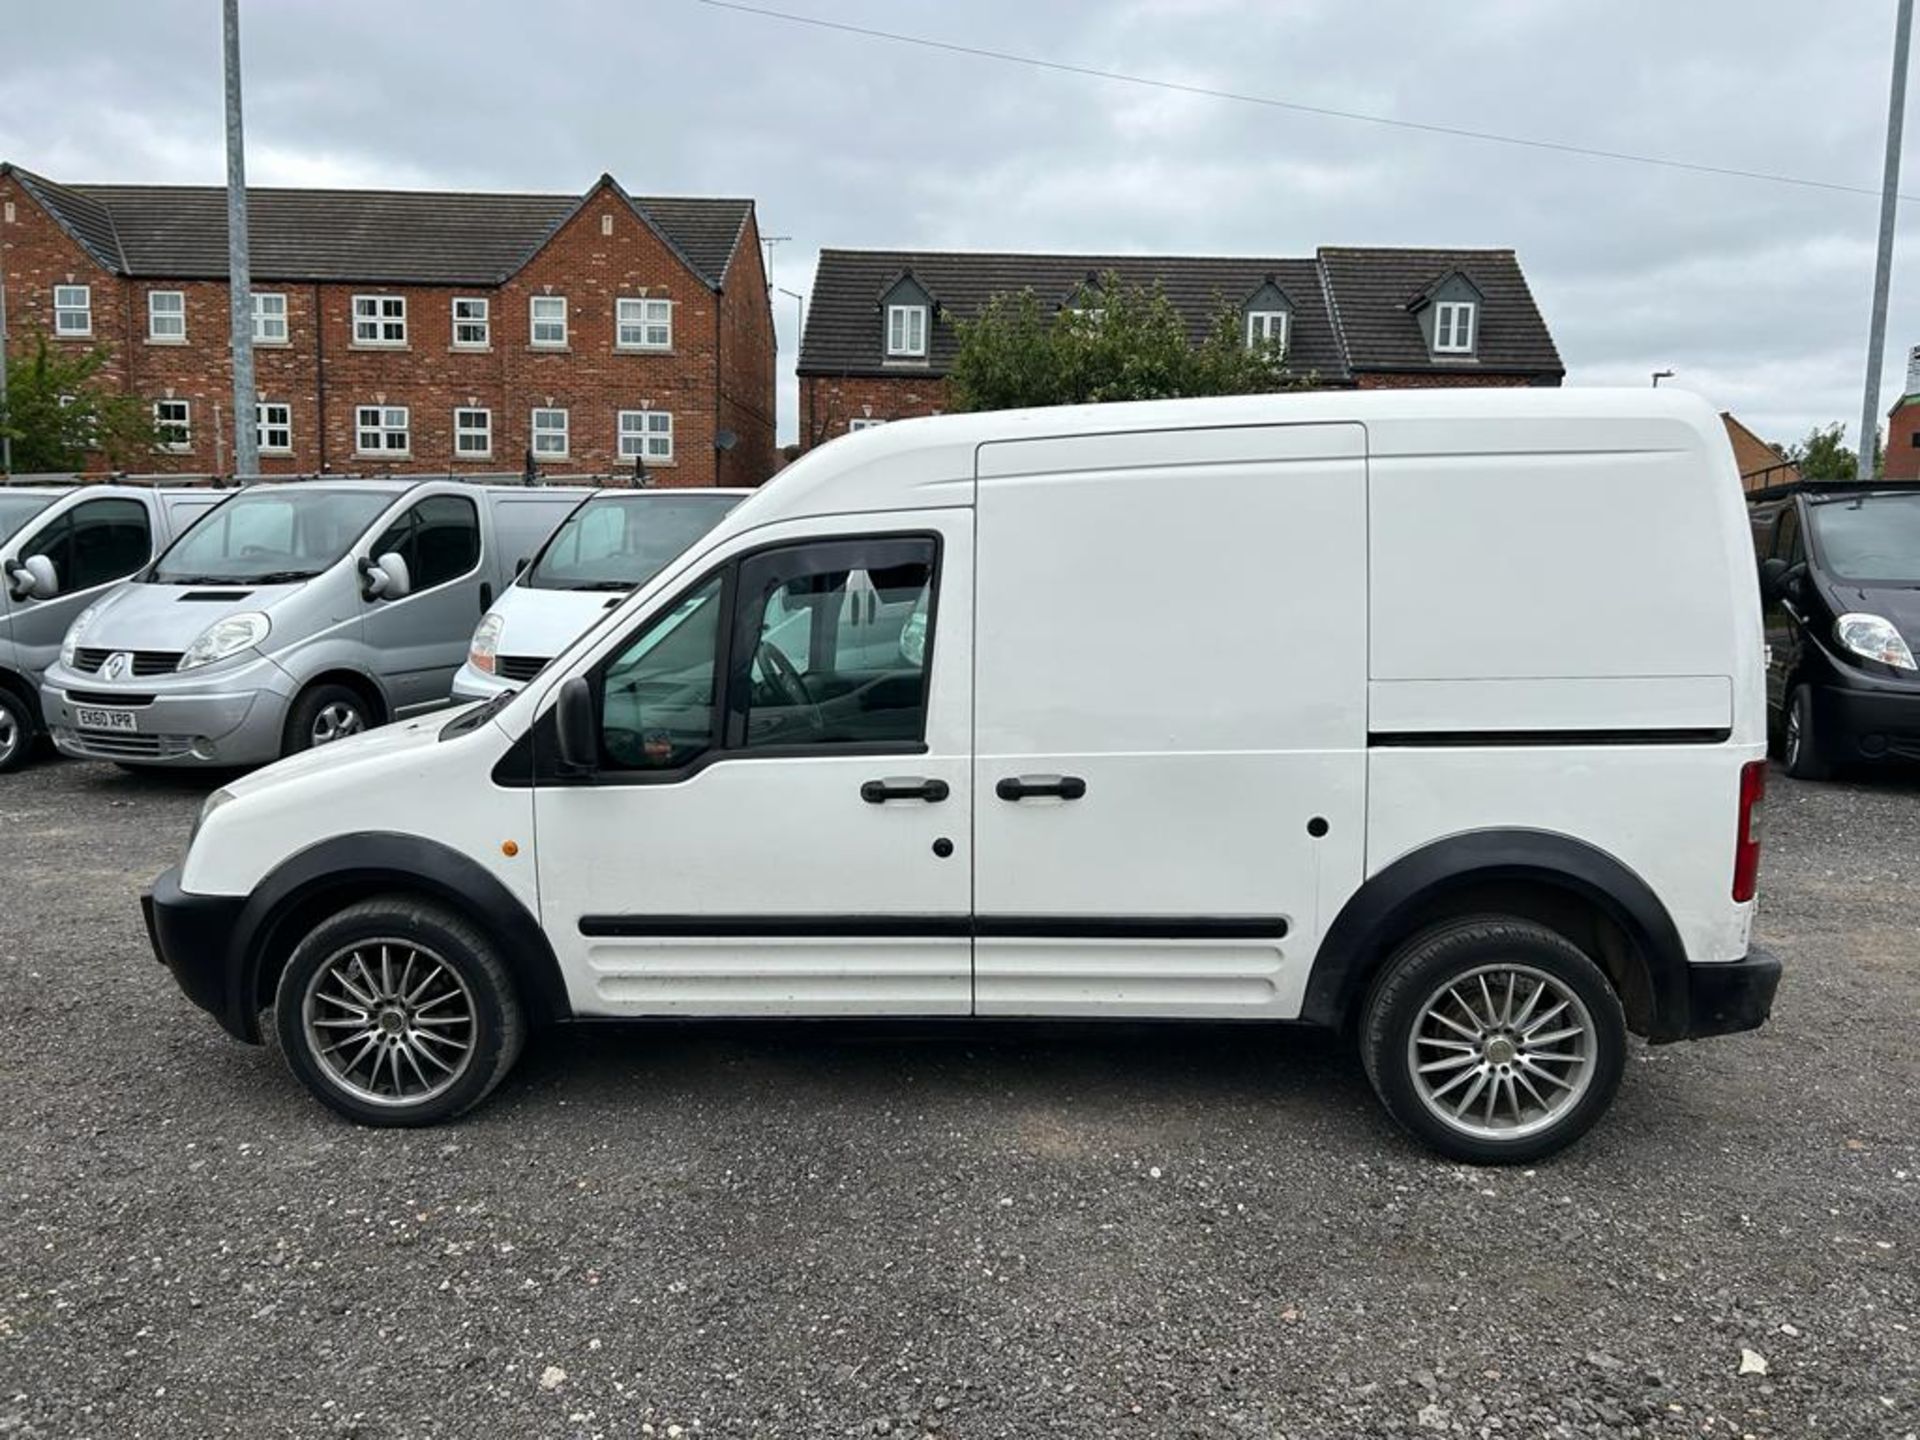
{"x": 775, "y": 665}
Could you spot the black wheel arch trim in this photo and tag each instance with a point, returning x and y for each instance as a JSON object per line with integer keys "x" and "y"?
{"x": 1354, "y": 945}
{"x": 364, "y": 864}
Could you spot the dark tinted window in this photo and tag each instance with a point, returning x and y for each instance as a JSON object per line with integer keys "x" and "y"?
{"x": 1869, "y": 538}
{"x": 95, "y": 542}
{"x": 439, "y": 538}
{"x": 1786, "y": 540}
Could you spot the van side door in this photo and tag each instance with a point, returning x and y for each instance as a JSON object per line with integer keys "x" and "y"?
{"x": 415, "y": 643}
{"x": 780, "y": 818}
{"x": 1170, "y": 703}
{"x": 93, "y": 545}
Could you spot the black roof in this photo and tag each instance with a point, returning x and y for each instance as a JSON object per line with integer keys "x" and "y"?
{"x": 392, "y": 236}
{"x": 1350, "y": 306}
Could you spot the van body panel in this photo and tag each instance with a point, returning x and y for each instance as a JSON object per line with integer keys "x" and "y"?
{"x": 1660, "y": 703}
{"x": 1129, "y": 640}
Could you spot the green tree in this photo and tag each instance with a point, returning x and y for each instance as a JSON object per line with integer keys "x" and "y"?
{"x": 60, "y": 408}
{"x": 1824, "y": 455}
{"x": 1115, "y": 341}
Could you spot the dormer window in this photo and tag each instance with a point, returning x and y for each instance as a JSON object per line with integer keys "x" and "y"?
{"x": 1266, "y": 327}
{"x": 906, "y": 331}
{"x": 1453, "y": 327}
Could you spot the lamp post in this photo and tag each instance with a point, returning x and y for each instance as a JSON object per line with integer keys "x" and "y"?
{"x": 799, "y": 321}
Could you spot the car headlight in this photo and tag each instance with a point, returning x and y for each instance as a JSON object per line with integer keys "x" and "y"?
{"x": 226, "y": 637}
{"x": 75, "y": 631}
{"x": 1874, "y": 638}
{"x": 214, "y": 802}
{"x": 486, "y": 643}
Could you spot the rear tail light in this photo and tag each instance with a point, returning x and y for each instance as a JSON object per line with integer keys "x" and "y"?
{"x": 1746, "y": 848}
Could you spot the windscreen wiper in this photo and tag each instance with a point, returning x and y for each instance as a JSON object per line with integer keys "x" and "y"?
{"x": 278, "y": 577}
{"x": 603, "y": 585}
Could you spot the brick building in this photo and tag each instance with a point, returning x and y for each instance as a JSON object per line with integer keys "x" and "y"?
{"x": 880, "y": 337}
{"x": 416, "y": 331}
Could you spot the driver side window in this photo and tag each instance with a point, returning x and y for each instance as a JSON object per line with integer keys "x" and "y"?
{"x": 656, "y": 706}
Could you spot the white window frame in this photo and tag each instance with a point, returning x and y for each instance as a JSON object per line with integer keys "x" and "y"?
{"x": 158, "y": 314}
{"x": 266, "y": 422}
{"x": 383, "y": 427}
{"x": 653, "y": 429}
{"x": 537, "y": 433}
{"x": 535, "y": 320}
{"x": 66, "y": 305}
{"x": 265, "y": 319}
{"x": 903, "y": 319}
{"x": 864, "y": 422}
{"x": 374, "y": 315}
{"x": 184, "y": 425}
{"x": 1267, "y": 325}
{"x": 482, "y": 320}
{"x": 463, "y": 431}
{"x": 644, "y": 316}
{"x": 1455, "y": 323}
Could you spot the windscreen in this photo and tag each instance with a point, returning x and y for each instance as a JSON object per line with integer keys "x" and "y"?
{"x": 616, "y": 542}
{"x": 270, "y": 535}
{"x": 1869, "y": 538}
{"x": 16, "y": 510}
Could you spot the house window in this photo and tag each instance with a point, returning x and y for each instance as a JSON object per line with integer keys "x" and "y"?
{"x": 269, "y": 318}
{"x": 645, "y": 324}
{"x": 166, "y": 316}
{"x": 379, "y": 319}
{"x": 473, "y": 433}
{"x": 170, "y": 423}
{"x": 73, "y": 310}
{"x": 381, "y": 430}
{"x": 863, "y": 422}
{"x": 646, "y": 434}
{"x": 549, "y": 314}
{"x": 471, "y": 330}
{"x": 273, "y": 421}
{"x": 906, "y": 330}
{"x": 1267, "y": 327}
{"x": 1453, "y": 327}
{"x": 550, "y": 434}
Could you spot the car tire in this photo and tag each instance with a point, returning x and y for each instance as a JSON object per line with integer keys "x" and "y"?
{"x": 18, "y": 731}
{"x": 394, "y": 1012}
{"x": 1501, "y": 1006}
{"x": 322, "y": 714}
{"x": 1802, "y": 749}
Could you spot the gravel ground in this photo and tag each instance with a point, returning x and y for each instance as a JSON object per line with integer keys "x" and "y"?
{"x": 790, "y": 1232}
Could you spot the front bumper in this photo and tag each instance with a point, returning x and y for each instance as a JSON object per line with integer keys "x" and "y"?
{"x": 194, "y": 937}
{"x": 1726, "y": 999}
{"x": 223, "y": 719}
{"x": 1868, "y": 718}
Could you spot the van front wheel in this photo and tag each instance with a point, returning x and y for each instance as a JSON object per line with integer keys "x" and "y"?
{"x": 394, "y": 1012}
{"x": 1804, "y": 751}
{"x": 322, "y": 715}
{"x": 1495, "y": 1040}
{"x": 16, "y": 731}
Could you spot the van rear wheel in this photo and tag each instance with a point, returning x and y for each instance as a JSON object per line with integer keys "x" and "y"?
{"x": 1493, "y": 1039}
{"x": 324, "y": 714}
{"x": 398, "y": 1013}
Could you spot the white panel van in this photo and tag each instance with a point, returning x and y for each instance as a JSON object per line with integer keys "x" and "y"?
{"x": 1325, "y": 708}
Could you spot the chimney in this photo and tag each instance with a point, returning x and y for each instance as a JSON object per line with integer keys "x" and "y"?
{"x": 1913, "y": 372}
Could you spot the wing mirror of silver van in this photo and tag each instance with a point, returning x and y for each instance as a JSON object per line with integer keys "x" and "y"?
{"x": 386, "y": 578}
{"x": 573, "y": 726}
{"x": 34, "y": 578}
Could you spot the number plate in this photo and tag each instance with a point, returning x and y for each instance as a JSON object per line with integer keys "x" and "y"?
{"x": 88, "y": 719}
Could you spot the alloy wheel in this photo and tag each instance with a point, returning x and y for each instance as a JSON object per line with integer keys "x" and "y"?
{"x": 390, "y": 1022}
{"x": 337, "y": 721}
{"x": 11, "y": 737}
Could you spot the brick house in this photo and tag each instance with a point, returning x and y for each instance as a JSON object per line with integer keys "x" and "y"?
{"x": 416, "y": 331}
{"x": 880, "y": 337}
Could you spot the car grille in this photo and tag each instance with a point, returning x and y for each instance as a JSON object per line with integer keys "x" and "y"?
{"x": 106, "y": 697}
{"x": 519, "y": 667}
{"x": 145, "y": 662}
{"x": 116, "y": 746}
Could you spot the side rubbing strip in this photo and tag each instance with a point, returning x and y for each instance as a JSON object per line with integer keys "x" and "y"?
{"x": 999, "y": 927}
{"x": 1455, "y": 739}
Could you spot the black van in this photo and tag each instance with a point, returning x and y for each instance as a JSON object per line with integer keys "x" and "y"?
{"x": 1840, "y": 583}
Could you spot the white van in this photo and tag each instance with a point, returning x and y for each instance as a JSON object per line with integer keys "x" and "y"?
{"x": 1431, "y": 715}
{"x": 611, "y": 544}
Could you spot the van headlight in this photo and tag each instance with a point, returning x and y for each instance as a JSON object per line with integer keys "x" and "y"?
{"x": 226, "y": 637}
{"x": 1874, "y": 638}
{"x": 75, "y": 631}
{"x": 214, "y": 802}
{"x": 486, "y": 643}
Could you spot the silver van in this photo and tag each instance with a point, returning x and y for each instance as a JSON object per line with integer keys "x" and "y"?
{"x": 293, "y": 614}
{"x": 61, "y": 549}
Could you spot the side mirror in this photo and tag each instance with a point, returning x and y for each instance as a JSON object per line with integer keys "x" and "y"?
{"x": 573, "y": 723}
{"x": 1772, "y": 572}
{"x": 520, "y": 565}
{"x": 386, "y": 578}
{"x": 34, "y": 578}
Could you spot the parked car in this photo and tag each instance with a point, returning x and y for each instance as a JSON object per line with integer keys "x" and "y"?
{"x": 611, "y": 544}
{"x": 1840, "y": 580}
{"x": 61, "y": 550}
{"x": 292, "y": 615}
{"x": 1434, "y": 716}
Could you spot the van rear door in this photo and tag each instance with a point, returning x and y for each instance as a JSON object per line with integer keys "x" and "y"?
{"x": 1169, "y": 717}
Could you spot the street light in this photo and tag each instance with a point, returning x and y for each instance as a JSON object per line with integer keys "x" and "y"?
{"x": 1660, "y": 375}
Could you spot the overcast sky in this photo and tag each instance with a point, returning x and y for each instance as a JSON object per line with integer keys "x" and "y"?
{"x": 1756, "y": 293}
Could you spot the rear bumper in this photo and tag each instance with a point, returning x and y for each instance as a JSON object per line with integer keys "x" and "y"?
{"x": 193, "y": 936}
{"x": 1726, "y": 999}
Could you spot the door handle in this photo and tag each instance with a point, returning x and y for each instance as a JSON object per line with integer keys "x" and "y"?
{"x": 878, "y": 792}
{"x": 1019, "y": 787}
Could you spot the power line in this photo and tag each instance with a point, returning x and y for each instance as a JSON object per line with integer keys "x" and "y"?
{"x": 1490, "y": 137}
